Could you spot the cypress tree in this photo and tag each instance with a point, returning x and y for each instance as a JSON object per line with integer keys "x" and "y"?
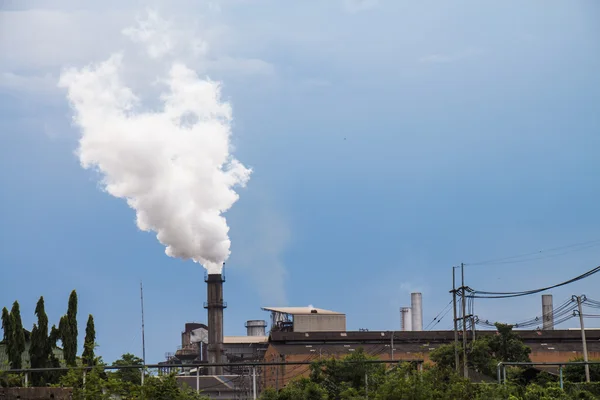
{"x": 40, "y": 348}
{"x": 68, "y": 331}
{"x": 89, "y": 342}
{"x": 18, "y": 336}
{"x": 8, "y": 335}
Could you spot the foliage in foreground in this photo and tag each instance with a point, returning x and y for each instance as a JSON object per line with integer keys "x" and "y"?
{"x": 484, "y": 353}
{"x": 101, "y": 385}
{"x": 351, "y": 378}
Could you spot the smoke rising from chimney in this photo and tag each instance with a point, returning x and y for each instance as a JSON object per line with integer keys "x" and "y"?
{"x": 172, "y": 165}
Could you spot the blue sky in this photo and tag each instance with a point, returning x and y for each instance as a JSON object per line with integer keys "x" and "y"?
{"x": 389, "y": 141}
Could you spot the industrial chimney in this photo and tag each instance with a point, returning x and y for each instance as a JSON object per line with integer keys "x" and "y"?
{"x": 256, "y": 327}
{"x": 547, "y": 312}
{"x": 416, "y": 305}
{"x": 405, "y": 319}
{"x": 215, "y": 306}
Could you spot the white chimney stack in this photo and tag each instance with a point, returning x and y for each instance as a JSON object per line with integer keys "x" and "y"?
{"x": 416, "y": 305}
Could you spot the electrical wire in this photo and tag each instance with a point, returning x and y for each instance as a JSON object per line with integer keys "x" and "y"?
{"x": 440, "y": 319}
{"x": 433, "y": 321}
{"x": 515, "y": 259}
{"x": 560, "y": 314}
{"x": 479, "y": 294}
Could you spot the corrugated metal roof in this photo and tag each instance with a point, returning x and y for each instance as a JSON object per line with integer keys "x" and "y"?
{"x": 301, "y": 310}
{"x": 245, "y": 339}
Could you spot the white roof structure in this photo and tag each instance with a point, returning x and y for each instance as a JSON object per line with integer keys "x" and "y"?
{"x": 245, "y": 339}
{"x": 301, "y": 310}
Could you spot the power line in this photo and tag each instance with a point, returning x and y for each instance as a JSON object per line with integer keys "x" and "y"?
{"x": 479, "y": 294}
{"x": 433, "y": 321}
{"x": 558, "y": 314}
{"x": 519, "y": 258}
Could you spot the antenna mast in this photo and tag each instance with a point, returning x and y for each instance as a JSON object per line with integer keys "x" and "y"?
{"x": 143, "y": 339}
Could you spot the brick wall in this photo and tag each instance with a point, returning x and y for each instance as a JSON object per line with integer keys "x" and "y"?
{"x": 35, "y": 393}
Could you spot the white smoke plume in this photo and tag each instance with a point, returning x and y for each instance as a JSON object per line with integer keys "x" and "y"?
{"x": 172, "y": 165}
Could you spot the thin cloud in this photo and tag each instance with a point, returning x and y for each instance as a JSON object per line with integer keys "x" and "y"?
{"x": 355, "y": 6}
{"x": 443, "y": 58}
{"x": 436, "y": 59}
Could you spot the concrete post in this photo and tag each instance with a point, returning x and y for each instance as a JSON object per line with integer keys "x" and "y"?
{"x": 254, "y": 382}
{"x": 197, "y": 379}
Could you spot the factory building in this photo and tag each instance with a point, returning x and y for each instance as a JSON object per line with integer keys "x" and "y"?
{"x": 305, "y": 334}
{"x": 546, "y": 346}
{"x": 305, "y": 319}
{"x": 236, "y": 349}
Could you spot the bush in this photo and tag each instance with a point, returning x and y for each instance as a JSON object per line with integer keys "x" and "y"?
{"x": 574, "y": 389}
{"x": 10, "y": 380}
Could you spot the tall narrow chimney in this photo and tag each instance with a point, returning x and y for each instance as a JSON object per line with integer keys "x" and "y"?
{"x": 416, "y": 305}
{"x": 215, "y": 306}
{"x": 547, "y": 312}
{"x": 405, "y": 319}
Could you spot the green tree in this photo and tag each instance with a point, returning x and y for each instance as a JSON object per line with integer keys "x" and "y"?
{"x": 17, "y": 337}
{"x": 7, "y": 327}
{"x": 167, "y": 388}
{"x": 132, "y": 375}
{"x": 301, "y": 389}
{"x": 484, "y": 353}
{"x": 68, "y": 331}
{"x": 576, "y": 373}
{"x": 40, "y": 349}
{"x": 507, "y": 345}
{"x": 350, "y": 373}
{"x": 89, "y": 342}
{"x": 444, "y": 357}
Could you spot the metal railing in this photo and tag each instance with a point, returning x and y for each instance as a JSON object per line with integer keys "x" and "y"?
{"x": 199, "y": 366}
{"x": 501, "y": 368}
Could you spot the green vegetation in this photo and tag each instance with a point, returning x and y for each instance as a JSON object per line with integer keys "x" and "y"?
{"x": 484, "y": 354}
{"x": 100, "y": 385}
{"x": 14, "y": 335}
{"x": 133, "y": 376}
{"x": 354, "y": 378}
{"x": 89, "y": 343}
{"x": 341, "y": 380}
{"x": 67, "y": 329}
{"x": 41, "y": 346}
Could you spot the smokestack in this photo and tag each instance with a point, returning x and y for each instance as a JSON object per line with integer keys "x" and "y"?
{"x": 256, "y": 327}
{"x": 215, "y": 306}
{"x": 547, "y": 312}
{"x": 405, "y": 319}
{"x": 416, "y": 305}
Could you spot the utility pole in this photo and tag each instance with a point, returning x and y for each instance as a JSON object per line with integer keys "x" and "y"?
{"x": 473, "y": 320}
{"x": 392, "y": 344}
{"x": 585, "y": 353}
{"x": 456, "y": 358}
{"x": 464, "y": 321}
